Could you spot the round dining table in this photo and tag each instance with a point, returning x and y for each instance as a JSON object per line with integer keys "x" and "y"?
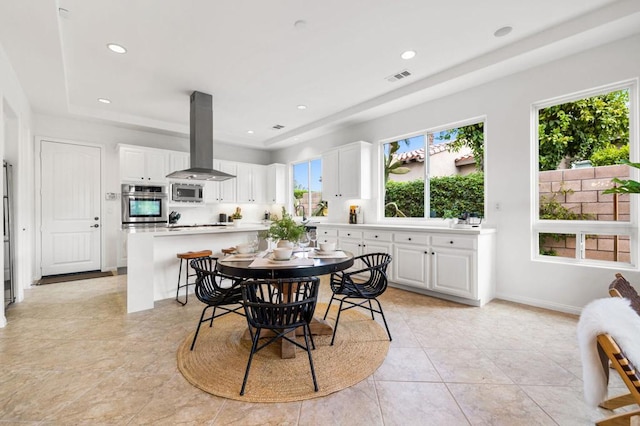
{"x": 322, "y": 265}
{"x": 235, "y": 266}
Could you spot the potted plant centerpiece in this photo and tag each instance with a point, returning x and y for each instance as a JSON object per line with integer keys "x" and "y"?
{"x": 285, "y": 230}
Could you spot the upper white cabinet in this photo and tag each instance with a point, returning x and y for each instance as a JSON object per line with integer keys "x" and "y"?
{"x": 225, "y": 191}
{"x": 251, "y": 183}
{"x": 179, "y": 161}
{"x": 276, "y": 183}
{"x": 346, "y": 172}
{"x": 143, "y": 164}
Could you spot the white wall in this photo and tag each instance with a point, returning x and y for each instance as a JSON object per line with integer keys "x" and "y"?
{"x": 16, "y": 148}
{"x": 506, "y": 103}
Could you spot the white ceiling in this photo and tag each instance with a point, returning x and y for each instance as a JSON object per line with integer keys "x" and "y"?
{"x": 259, "y": 66}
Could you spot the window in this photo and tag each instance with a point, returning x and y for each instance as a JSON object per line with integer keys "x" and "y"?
{"x": 307, "y": 189}
{"x": 435, "y": 173}
{"x": 580, "y": 142}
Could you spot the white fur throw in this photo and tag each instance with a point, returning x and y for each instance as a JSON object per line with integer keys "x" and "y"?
{"x": 615, "y": 317}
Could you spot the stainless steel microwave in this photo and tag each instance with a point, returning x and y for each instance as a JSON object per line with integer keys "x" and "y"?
{"x": 187, "y": 192}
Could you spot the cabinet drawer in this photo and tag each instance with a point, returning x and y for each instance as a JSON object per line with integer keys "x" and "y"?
{"x": 377, "y": 236}
{"x": 327, "y": 232}
{"x": 454, "y": 242}
{"x": 407, "y": 238}
{"x": 346, "y": 233}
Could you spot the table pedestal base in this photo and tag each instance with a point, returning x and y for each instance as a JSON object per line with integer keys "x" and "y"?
{"x": 319, "y": 327}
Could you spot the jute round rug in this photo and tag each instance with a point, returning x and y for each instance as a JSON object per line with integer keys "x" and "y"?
{"x": 217, "y": 363}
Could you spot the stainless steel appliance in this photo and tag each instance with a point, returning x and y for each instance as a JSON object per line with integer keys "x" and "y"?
{"x": 7, "y": 210}
{"x": 144, "y": 205}
{"x": 187, "y": 192}
{"x": 201, "y": 142}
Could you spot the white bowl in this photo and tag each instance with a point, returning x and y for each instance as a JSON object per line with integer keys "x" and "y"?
{"x": 282, "y": 253}
{"x": 327, "y": 246}
{"x": 244, "y": 248}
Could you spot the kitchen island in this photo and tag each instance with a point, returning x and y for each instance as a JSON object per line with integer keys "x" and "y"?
{"x": 152, "y": 266}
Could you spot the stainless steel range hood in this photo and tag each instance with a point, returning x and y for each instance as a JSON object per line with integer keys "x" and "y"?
{"x": 201, "y": 142}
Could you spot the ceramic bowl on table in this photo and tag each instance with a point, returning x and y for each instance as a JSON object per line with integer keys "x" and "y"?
{"x": 282, "y": 253}
{"x": 327, "y": 247}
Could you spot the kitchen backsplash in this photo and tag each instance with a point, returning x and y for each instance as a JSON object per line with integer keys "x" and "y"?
{"x": 211, "y": 213}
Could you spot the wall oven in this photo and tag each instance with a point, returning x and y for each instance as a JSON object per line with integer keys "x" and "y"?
{"x": 144, "y": 205}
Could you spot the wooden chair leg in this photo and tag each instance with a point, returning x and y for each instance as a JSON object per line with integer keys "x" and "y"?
{"x": 623, "y": 419}
{"x": 618, "y": 401}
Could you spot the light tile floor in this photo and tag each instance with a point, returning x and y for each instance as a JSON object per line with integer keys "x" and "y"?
{"x": 72, "y": 355}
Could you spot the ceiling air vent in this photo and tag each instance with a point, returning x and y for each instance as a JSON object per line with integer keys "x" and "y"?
{"x": 398, "y": 76}
{"x": 278, "y": 127}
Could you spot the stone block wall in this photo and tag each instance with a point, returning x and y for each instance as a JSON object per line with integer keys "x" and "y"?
{"x": 580, "y": 190}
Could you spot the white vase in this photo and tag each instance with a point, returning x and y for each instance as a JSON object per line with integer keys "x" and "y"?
{"x": 285, "y": 243}
{"x": 237, "y": 222}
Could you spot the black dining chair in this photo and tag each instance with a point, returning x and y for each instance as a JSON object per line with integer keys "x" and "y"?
{"x": 282, "y": 306}
{"x": 211, "y": 291}
{"x": 355, "y": 292}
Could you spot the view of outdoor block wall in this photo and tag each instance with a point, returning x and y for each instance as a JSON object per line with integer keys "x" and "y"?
{"x": 580, "y": 191}
{"x": 316, "y": 197}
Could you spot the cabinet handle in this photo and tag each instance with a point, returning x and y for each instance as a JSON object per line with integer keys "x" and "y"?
{"x": 426, "y": 252}
{"x": 348, "y": 235}
{"x": 433, "y": 253}
{"x": 409, "y": 238}
{"x": 450, "y": 242}
{"x": 375, "y": 236}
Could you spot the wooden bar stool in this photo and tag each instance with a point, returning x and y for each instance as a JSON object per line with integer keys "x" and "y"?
{"x": 188, "y": 256}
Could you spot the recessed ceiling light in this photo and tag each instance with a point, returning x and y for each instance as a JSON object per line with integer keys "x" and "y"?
{"x": 302, "y": 107}
{"x": 408, "y": 54}
{"x": 501, "y": 32}
{"x": 250, "y": 132}
{"x": 104, "y": 100}
{"x": 116, "y": 48}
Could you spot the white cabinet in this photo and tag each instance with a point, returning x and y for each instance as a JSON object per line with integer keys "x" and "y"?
{"x": 251, "y": 183}
{"x": 364, "y": 242}
{"x": 438, "y": 262}
{"x": 411, "y": 259}
{"x": 276, "y": 183}
{"x": 179, "y": 161}
{"x": 143, "y": 164}
{"x": 327, "y": 235}
{"x": 346, "y": 172}
{"x": 453, "y": 266}
{"x": 225, "y": 191}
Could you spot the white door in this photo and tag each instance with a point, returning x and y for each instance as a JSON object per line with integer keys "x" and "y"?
{"x": 70, "y": 200}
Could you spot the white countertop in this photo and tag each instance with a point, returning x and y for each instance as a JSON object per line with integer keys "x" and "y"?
{"x": 411, "y": 228}
{"x": 168, "y": 231}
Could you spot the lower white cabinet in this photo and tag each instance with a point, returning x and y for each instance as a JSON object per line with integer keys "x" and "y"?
{"x": 411, "y": 265}
{"x": 327, "y": 235}
{"x": 453, "y": 265}
{"x": 364, "y": 242}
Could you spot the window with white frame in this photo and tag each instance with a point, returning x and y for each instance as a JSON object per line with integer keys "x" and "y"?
{"x": 435, "y": 173}
{"x": 582, "y": 142}
{"x": 307, "y": 189}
